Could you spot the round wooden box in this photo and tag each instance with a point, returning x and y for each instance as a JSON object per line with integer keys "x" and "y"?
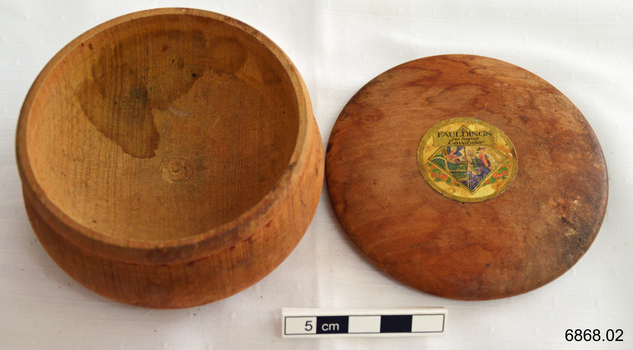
{"x": 466, "y": 177}
{"x": 169, "y": 158}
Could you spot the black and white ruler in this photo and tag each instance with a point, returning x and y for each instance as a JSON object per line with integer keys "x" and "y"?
{"x": 315, "y": 323}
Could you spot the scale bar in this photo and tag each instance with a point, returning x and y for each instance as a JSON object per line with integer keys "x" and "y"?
{"x": 366, "y": 322}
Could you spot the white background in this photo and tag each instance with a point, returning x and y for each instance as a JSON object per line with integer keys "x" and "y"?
{"x": 584, "y": 48}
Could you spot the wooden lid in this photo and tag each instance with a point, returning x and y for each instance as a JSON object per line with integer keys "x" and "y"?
{"x": 466, "y": 177}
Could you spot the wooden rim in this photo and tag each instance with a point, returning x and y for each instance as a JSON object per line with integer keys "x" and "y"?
{"x": 183, "y": 249}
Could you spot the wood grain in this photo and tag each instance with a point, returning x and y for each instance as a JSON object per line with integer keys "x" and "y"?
{"x": 528, "y": 236}
{"x": 169, "y": 157}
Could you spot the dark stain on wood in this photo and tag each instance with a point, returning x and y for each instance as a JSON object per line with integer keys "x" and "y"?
{"x": 226, "y": 56}
{"x": 126, "y": 84}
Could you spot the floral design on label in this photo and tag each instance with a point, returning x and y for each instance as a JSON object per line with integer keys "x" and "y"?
{"x": 467, "y": 159}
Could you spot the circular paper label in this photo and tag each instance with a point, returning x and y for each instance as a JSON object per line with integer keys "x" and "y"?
{"x": 467, "y": 159}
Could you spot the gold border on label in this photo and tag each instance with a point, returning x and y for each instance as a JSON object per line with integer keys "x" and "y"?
{"x": 483, "y": 161}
